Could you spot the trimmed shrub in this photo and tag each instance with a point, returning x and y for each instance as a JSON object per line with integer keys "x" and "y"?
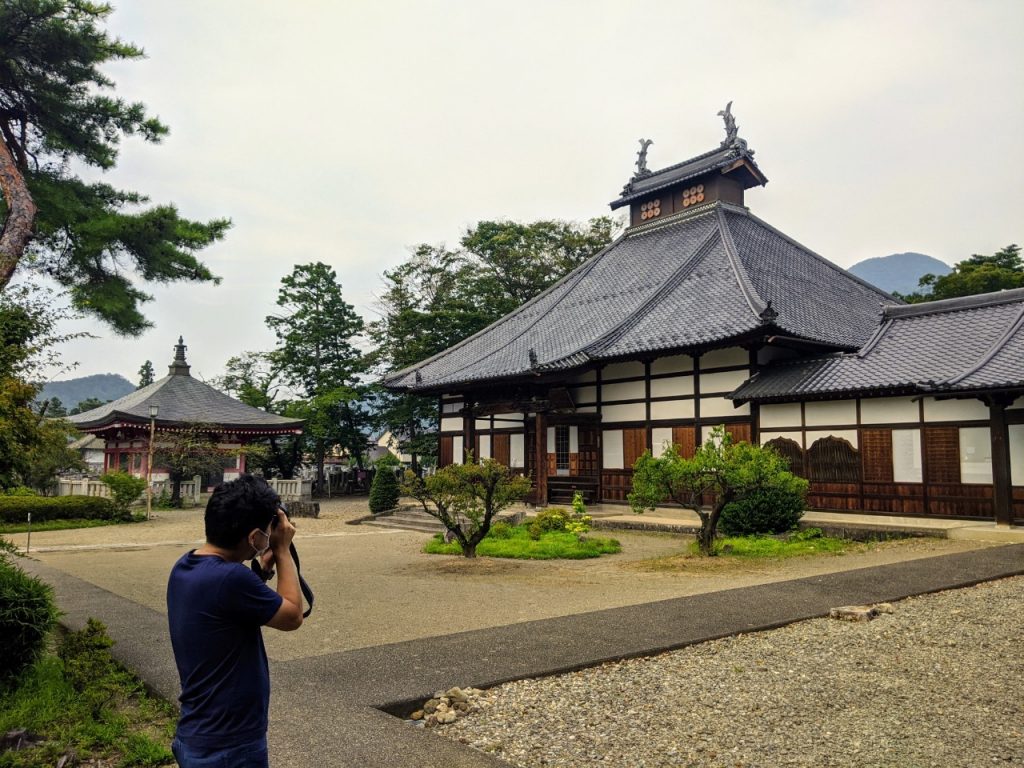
{"x": 27, "y": 614}
{"x": 21, "y": 490}
{"x": 125, "y": 490}
{"x": 500, "y": 530}
{"x": 769, "y": 510}
{"x": 548, "y": 520}
{"x": 15, "y": 509}
{"x": 384, "y": 490}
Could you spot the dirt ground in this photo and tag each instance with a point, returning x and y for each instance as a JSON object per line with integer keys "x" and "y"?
{"x": 375, "y": 586}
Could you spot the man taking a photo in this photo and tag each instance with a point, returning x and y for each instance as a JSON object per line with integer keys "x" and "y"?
{"x": 216, "y": 607}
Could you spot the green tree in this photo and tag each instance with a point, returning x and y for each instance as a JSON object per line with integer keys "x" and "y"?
{"x": 439, "y": 296}
{"x": 53, "y": 409}
{"x": 57, "y": 113}
{"x": 87, "y": 405}
{"x": 192, "y": 451}
{"x": 720, "y": 471}
{"x": 466, "y": 497}
{"x": 316, "y": 355}
{"x": 384, "y": 490}
{"x": 999, "y": 271}
{"x": 51, "y": 455}
{"x": 125, "y": 490}
{"x": 145, "y": 374}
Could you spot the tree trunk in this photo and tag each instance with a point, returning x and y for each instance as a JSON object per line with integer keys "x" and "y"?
{"x": 469, "y": 549}
{"x": 21, "y": 213}
{"x": 176, "y": 490}
{"x": 319, "y": 451}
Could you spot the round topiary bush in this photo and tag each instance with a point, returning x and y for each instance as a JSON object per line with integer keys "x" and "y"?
{"x": 27, "y": 614}
{"x": 770, "y": 510}
{"x": 384, "y": 490}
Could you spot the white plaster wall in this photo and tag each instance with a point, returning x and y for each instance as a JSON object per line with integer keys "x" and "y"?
{"x": 796, "y": 437}
{"x": 673, "y": 364}
{"x": 849, "y": 435}
{"x": 884, "y": 410}
{"x": 672, "y": 409}
{"x": 975, "y": 455}
{"x": 673, "y": 387}
{"x": 611, "y": 448}
{"x": 551, "y": 439}
{"x": 954, "y": 410}
{"x": 584, "y": 394}
{"x": 1017, "y": 454}
{"x": 451, "y": 424}
{"x": 485, "y": 447}
{"x": 482, "y": 423}
{"x": 627, "y": 390}
{"x": 587, "y": 409}
{"x": 661, "y": 438}
{"x": 1018, "y": 403}
{"x": 622, "y": 370}
{"x": 715, "y": 407}
{"x": 588, "y": 376}
{"x": 452, "y": 407}
{"x": 508, "y": 421}
{"x": 907, "y": 465}
{"x": 829, "y": 412}
{"x": 719, "y": 358}
{"x": 517, "y": 450}
{"x": 723, "y": 382}
{"x": 574, "y": 439}
{"x": 458, "y": 451}
{"x": 628, "y": 412}
{"x": 779, "y": 415}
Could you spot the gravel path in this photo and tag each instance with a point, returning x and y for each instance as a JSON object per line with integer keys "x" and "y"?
{"x": 938, "y": 683}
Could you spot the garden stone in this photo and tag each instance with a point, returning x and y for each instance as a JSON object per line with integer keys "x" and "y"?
{"x": 854, "y": 613}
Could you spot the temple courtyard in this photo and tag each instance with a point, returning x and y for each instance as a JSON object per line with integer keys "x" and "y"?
{"x": 392, "y": 625}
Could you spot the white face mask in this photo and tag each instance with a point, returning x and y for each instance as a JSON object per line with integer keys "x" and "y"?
{"x": 257, "y": 553}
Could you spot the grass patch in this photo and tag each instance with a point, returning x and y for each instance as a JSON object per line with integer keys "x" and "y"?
{"x": 555, "y": 545}
{"x": 130, "y": 729}
{"x": 801, "y": 544}
{"x": 63, "y": 525}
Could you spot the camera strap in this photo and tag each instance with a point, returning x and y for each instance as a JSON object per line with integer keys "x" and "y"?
{"x": 306, "y": 591}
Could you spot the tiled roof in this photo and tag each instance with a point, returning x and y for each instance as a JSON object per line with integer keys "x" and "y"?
{"x": 183, "y": 400}
{"x": 715, "y": 160}
{"x": 691, "y": 281}
{"x": 969, "y": 344}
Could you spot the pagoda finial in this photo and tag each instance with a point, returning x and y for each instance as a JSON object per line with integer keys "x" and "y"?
{"x": 641, "y": 159}
{"x": 179, "y": 367}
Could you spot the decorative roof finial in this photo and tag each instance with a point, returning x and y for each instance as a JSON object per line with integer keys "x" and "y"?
{"x": 533, "y": 360}
{"x": 731, "y": 131}
{"x": 768, "y": 314}
{"x": 641, "y": 159}
{"x": 419, "y": 376}
{"x": 179, "y": 366}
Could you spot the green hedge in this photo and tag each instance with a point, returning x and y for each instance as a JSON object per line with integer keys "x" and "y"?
{"x": 771, "y": 510}
{"x": 15, "y": 509}
{"x": 27, "y": 614}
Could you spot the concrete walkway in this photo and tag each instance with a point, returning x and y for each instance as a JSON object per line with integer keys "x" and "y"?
{"x": 326, "y": 709}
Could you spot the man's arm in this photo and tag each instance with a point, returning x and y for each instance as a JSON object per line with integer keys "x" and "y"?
{"x": 289, "y": 615}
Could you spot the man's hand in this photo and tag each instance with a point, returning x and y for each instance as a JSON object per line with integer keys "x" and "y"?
{"x": 282, "y": 534}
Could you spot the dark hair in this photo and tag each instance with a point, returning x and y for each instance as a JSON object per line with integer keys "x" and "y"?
{"x": 238, "y": 506}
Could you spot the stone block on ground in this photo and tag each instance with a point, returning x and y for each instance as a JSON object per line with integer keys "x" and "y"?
{"x": 854, "y": 612}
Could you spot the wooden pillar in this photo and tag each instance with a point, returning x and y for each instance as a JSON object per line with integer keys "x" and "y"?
{"x": 540, "y": 463}
{"x": 1002, "y": 498}
{"x": 468, "y": 434}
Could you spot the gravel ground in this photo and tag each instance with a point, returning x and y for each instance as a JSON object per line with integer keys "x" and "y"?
{"x": 938, "y": 683}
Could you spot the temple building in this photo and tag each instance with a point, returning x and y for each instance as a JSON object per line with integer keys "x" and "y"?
{"x": 702, "y": 314}
{"x": 174, "y": 403}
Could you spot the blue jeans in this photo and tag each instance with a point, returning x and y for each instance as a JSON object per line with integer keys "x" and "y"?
{"x": 252, "y": 754}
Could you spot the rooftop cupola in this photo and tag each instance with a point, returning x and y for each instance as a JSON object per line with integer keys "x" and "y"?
{"x": 721, "y": 174}
{"x": 179, "y": 367}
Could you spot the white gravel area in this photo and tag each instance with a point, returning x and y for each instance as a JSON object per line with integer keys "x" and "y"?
{"x": 938, "y": 683}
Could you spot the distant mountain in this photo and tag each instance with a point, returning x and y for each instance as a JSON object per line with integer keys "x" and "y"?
{"x": 102, "y": 386}
{"x": 899, "y": 272}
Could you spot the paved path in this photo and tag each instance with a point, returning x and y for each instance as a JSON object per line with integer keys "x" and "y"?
{"x": 326, "y": 709}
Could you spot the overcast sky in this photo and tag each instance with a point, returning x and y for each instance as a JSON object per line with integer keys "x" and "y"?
{"x": 346, "y": 132}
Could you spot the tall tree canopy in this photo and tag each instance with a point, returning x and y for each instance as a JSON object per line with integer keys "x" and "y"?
{"x": 146, "y": 374}
{"x": 440, "y": 296}
{"x": 55, "y": 108}
{"x": 316, "y": 355}
{"x": 1002, "y": 270}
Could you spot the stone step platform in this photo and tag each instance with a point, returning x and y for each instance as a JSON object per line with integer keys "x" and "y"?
{"x": 415, "y": 519}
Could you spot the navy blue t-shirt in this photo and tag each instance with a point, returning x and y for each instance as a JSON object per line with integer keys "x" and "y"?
{"x": 215, "y": 610}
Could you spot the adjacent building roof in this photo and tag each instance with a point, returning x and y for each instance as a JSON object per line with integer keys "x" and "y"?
{"x": 687, "y": 282}
{"x": 182, "y": 400}
{"x": 965, "y": 345}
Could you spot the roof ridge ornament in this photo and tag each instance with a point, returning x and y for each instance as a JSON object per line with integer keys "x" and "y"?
{"x": 179, "y": 366}
{"x": 641, "y": 159}
{"x": 768, "y": 315}
{"x": 732, "y": 138}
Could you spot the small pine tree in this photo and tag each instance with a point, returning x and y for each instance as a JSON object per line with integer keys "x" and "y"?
{"x": 146, "y": 374}
{"x": 384, "y": 491}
